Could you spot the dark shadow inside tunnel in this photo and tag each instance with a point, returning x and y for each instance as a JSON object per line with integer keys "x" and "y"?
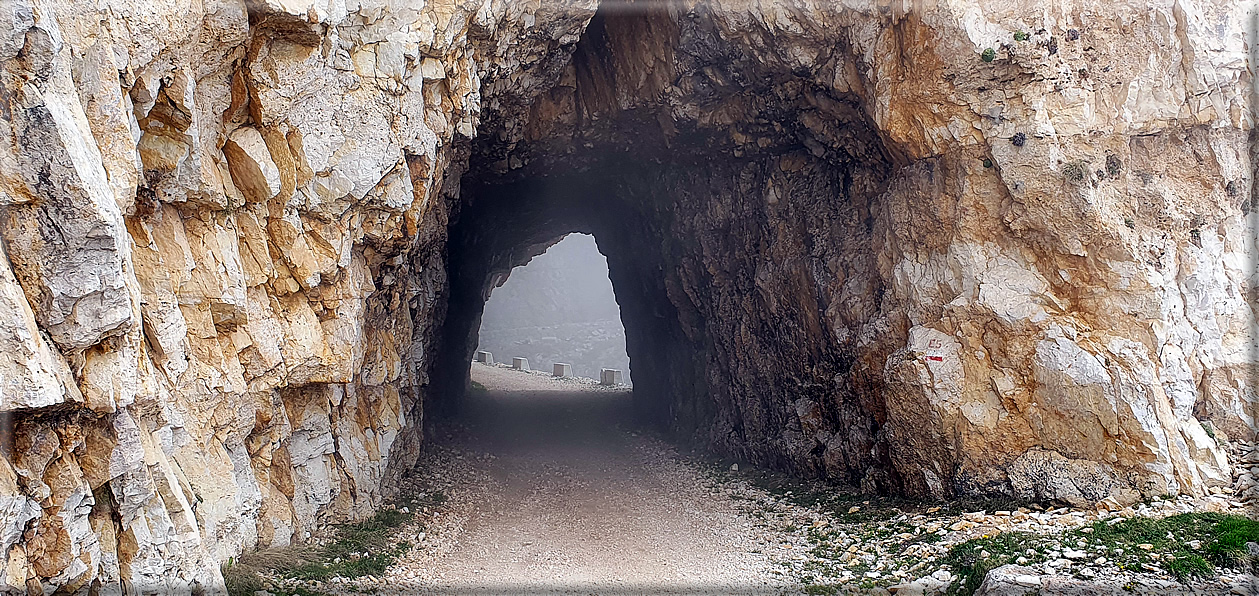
{"x": 736, "y": 207}
{"x": 507, "y": 225}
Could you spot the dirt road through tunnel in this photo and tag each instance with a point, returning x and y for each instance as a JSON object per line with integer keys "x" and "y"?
{"x": 577, "y": 501}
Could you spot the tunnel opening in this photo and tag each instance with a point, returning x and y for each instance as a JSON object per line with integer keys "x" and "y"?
{"x": 735, "y": 200}
{"x": 558, "y": 308}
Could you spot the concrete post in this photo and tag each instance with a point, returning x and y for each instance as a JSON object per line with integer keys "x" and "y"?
{"x": 610, "y": 376}
{"x": 484, "y": 357}
{"x": 562, "y": 370}
{"x": 520, "y": 363}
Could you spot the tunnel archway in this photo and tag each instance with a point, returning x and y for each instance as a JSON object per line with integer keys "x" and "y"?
{"x": 509, "y": 224}
{"x": 733, "y": 204}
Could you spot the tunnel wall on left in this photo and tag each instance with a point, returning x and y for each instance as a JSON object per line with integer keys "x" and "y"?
{"x": 221, "y": 267}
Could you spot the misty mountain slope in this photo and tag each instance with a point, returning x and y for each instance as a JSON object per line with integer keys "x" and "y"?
{"x": 558, "y": 308}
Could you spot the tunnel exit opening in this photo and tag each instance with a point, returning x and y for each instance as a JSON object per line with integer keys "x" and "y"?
{"x": 559, "y": 309}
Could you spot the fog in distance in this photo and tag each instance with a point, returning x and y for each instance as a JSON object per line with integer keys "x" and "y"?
{"x": 558, "y": 308}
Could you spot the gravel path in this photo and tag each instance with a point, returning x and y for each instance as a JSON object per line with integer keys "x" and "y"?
{"x": 548, "y": 488}
{"x": 561, "y": 495}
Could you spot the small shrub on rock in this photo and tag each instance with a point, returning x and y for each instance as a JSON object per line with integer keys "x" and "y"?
{"x": 988, "y": 55}
{"x": 1233, "y": 188}
{"x": 1113, "y": 165}
{"x": 1075, "y": 171}
{"x": 1020, "y": 36}
{"x": 1018, "y": 140}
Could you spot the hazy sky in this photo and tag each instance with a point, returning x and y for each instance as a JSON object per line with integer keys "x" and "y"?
{"x": 558, "y": 308}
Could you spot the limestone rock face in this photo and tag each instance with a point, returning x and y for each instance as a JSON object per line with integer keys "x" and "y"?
{"x": 846, "y": 243}
{"x": 223, "y": 232}
{"x": 243, "y": 246}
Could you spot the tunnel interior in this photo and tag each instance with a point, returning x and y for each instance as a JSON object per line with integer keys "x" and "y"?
{"x": 735, "y": 201}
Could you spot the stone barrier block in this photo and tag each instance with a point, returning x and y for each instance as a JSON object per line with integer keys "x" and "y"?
{"x": 610, "y": 376}
{"x": 562, "y": 370}
{"x": 484, "y": 357}
{"x": 520, "y": 363}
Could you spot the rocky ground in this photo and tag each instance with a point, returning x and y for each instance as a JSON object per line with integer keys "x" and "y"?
{"x": 561, "y": 494}
{"x": 548, "y": 488}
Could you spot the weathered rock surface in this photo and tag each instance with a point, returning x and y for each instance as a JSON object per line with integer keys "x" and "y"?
{"x": 245, "y": 244}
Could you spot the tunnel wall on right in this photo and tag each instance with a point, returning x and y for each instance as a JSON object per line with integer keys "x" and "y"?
{"x": 935, "y": 336}
{"x": 867, "y": 250}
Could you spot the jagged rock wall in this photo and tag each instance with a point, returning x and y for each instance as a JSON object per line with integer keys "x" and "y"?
{"x": 860, "y": 249}
{"x": 228, "y": 291}
{"x": 223, "y": 236}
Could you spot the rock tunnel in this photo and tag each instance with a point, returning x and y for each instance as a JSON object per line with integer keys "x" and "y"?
{"x": 890, "y": 246}
{"x": 690, "y": 221}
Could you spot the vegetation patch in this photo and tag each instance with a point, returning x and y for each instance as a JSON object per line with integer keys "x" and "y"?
{"x": 1075, "y": 171}
{"x": 243, "y": 575}
{"x": 365, "y": 548}
{"x": 1186, "y": 545}
{"x": 988, "y": 55}
{"x": 1114, "y": 165}
{"x": 360, "y": 549}
{"x": 970, "y": 561}
{"x": 1233, "y": 188}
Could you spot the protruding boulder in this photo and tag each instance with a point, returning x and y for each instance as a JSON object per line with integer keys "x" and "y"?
{"x": 253, "y": 170}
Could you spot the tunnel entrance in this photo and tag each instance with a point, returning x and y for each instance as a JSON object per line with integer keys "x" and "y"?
{"x": 735, "y": 201}
{"x": 558, "y": 308}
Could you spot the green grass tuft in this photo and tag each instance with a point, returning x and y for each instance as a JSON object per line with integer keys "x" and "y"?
{"x": 968, "y": 563}
{"x": 360, "y": 549}
{"x": 1189, "y": 566}
{"x": 1228, "y": 549}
